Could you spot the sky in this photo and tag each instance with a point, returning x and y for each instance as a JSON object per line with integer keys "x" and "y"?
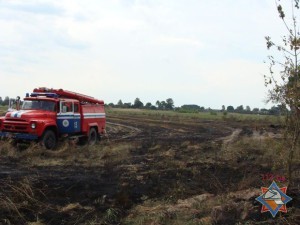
{"x": 209, "y": 53}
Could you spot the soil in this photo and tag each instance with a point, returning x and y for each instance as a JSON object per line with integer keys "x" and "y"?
{"x": 165, "y": 159}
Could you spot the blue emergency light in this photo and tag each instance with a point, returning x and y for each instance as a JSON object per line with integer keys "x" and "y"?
{"x": 49, "y": 95}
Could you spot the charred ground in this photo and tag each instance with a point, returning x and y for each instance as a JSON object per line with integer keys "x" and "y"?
{"x": 151, "y": 168}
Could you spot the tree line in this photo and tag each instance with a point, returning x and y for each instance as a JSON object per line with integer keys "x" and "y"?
{"x": 274, "y": 110}
{"x": 168, "y": 104}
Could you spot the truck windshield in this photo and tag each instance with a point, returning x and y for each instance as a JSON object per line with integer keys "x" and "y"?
{"x": 38, "y": 104}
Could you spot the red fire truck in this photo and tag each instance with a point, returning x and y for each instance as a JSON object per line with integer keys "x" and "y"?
{"x": 48, "y": 114}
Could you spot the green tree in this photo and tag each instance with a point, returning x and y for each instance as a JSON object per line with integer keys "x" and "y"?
{"x": 202, "y": 109}
{"x": 274, "y": 110}
{"x": 6, "y": 100}
{"x": 264, "y": 111}
{"x": 230, "y": 108}
{"x": 223, "y": 108}
{"x": 239, "y": 108}
{"x": 248, "y": 109}
{"x": 158, "y": 104}
{"x": 148, "y": 105}
{"x": 138, "y": 104}
{"x": 191, "y": 107}
{"x": 111, "y": 104}
{"x": 120, "y": 103}
{"x": 163, "y": 105}
{"x": 127, "y": 105}
{"x": 283, "y": 80}
{"x": 169, "y": 103}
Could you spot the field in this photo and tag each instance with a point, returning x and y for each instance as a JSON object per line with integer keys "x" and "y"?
{"x": 152, "y": 167}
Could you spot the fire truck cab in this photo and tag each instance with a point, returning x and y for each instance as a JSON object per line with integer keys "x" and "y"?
{"x": 48, "y": 114}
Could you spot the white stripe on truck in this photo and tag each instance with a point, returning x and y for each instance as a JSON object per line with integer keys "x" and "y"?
{"x": 93, "y": 115}
{"x": 17, "y": 114}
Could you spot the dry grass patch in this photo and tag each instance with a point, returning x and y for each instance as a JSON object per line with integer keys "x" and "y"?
{"x": 20, "y": 201}
{"x": 245, "y": 149}
{"x": 68, "y": 154}
{"x": 201, "y": 209}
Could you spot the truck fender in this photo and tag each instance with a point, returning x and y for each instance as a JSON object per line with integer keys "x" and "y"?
{"x": 95, "y": 125}
{"x": 50, "y": 126}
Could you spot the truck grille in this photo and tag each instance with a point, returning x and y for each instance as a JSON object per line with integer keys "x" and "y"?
{"x": 15, "y": 126}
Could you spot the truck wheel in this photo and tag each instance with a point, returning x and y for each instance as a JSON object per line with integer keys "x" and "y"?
{"x": 93, "y": 136}
{"x": 49, "y": 140}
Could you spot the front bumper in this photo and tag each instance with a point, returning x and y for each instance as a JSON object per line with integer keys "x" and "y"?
{"x": 22, "y": 136}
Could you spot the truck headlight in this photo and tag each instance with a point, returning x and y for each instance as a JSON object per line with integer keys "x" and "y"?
{"x": 33, "y": 125}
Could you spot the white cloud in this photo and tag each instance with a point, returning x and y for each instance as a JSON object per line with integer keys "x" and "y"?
{"x": 207, "y": 53}
{"x": 179, "y": 41}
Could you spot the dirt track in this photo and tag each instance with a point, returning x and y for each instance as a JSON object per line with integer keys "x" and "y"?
{"x": 159, "y": 159}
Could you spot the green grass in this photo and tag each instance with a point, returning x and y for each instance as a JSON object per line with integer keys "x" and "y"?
{"x": 196, "y": 115}
{"x": 189, "y": 115}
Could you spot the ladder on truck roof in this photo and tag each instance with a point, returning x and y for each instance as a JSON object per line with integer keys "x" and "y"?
{"x": 69, "y": 94}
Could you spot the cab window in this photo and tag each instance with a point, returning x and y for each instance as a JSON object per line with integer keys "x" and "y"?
{"x": 66, "y": 107}
{"x": 76, "y": 107}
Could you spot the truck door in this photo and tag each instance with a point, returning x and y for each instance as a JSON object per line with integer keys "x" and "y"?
{"x": 68, "y": 119}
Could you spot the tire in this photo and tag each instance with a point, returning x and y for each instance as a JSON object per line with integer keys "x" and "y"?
{"x": 49, "y": 140}
{"x": 93, "y": 136}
